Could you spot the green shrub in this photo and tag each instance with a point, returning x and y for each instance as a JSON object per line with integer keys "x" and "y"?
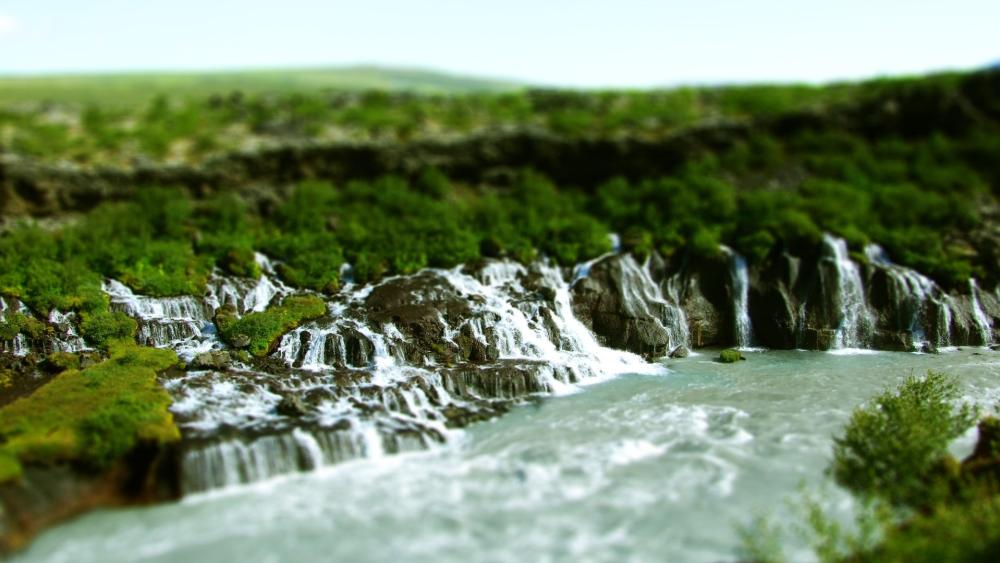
{"x": 895, "y": 447}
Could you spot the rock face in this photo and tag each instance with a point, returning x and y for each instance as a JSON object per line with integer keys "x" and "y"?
{"x": 619, "y": 301}
{"x": 46, "y": 495}
{"x": 828, "y": 300}
{"x": 389, "y": 369}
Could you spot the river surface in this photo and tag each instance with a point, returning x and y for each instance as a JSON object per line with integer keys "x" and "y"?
{"x": 637, "y": 468}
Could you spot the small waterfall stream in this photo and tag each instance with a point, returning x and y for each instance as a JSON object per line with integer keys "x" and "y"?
{"x": 982, "y": 321}
{"x": 17, "y": 346}
{"x": 739, "y": 280}
{"x": 856, "y": 321}
{"x": 644, "y": 298}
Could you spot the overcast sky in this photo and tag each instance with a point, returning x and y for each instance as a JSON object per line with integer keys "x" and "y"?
{"x": 566, "y": 42}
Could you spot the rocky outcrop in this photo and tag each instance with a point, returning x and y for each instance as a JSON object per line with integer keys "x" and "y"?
{"x": 46, "y": 495}
{"x": 623, "y": 306}
{"x": 827, "y": 300}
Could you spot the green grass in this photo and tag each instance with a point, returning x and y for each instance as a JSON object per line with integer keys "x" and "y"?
{"x": 136, "y": 89}
{"x": 90, "y": 417}
{"x": 264, "y": 328}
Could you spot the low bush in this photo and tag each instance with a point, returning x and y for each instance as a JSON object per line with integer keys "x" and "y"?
{"x": 896, "y": 447}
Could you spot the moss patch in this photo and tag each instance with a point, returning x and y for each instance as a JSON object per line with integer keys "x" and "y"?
{"x": 258, "y": 332}
{"x": 91, "y": 417}
{"x": 730, "y": 356}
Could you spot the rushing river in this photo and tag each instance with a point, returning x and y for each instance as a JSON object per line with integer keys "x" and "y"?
{"x": 641, "y": 468}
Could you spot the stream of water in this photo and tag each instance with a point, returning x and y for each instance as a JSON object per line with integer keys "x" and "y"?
{"x": 636, "y": 468}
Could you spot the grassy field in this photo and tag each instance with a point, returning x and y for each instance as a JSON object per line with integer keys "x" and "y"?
{"x": 135, "y": 89}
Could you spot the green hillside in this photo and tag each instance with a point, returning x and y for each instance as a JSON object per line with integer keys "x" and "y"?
{"x": 127, "y": 89}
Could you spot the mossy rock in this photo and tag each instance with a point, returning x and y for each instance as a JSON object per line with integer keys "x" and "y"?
{"x": 730, "y": 356}
{"x": 90, "y": 417}
{"x": 259, "y": 332}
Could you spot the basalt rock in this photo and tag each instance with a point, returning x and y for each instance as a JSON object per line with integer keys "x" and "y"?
{"x": 680, "y": 352}
{"x": 774, "y": 307}
{"x": 46, "y": 495}
{"x": 420, "y": 307}
{"x": 607, "y": 303}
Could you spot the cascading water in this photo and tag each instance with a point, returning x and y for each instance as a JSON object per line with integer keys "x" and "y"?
{"x": 642, "y": 297}
{"x": 739, "y": 279}
{"x": 18, "y": 345}
{"x": 918, "y": 299}
{"x": 355, "y": 387}
{"x": 62, "y": 335}
{"x": 979, "y": 316}
{"x": 856, "y": 323}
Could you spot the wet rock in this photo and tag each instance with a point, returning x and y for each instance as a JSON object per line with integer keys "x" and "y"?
{"x": 214, "y": 359}
{"x": 419, "y": 307}
{"x": 508, "y": 379}
{"x": 291, "y": 406}
{"x": 773, "y": 305}
{"x": 359, "y": 350}
{"x": 607, "y": 302}
{"x": 819, "y": 338}
{"x": 680, "y": 352}
{"x": 240, "y": 341}
{"x": 894, "y": 341}
{"x": 929, "y": 348}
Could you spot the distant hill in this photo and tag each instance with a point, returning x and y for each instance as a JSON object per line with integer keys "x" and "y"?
{"x": 132, "y": 88}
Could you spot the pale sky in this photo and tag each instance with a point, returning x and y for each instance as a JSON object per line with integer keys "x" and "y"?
{"x": 563, "y": 42}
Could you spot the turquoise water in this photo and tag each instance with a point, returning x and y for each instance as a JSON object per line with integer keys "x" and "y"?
{"x": 638, "y": 468}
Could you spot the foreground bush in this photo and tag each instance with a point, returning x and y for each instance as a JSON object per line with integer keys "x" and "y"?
{"x": 895, "y": 447}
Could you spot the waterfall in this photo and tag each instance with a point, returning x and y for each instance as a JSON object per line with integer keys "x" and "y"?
{"x": 642, "y": 297}
{"x": 66, "y": 338}
{"x": 18, "y": 345}
{"x": 856, "y": 320}
{"x": 918, "y": 299}
{"x": 979, "y": 316}
{"x": 739, "y": 280}
{"x": 361, "y": 389}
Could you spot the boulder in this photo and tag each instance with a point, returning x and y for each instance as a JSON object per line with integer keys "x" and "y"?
{"x": 291, "y": 406}
{"x": 614, "y": 306}
{"x": 680, "y": 352}
{"x": 214, "y": 359}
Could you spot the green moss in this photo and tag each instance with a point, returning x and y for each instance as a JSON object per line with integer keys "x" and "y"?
{"x": 730, "y": 356}
{"x": 261, "y": 330}
{"x": 104, "y": 327}
{"x": 19, "y": 323}
{"x": 91, "y": 417}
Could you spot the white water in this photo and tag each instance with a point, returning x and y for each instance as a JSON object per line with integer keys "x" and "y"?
{"x": 739, "y": 283}
{"x": 19, "y": 345}
{"x": 856, "y": 320}
{"x": 982, "y": 321}
{"x": 383, "y": 403}
{"x": 642, "y": 297}
{"x": 638, "y": 468}
{"x": 920, "y": 296}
